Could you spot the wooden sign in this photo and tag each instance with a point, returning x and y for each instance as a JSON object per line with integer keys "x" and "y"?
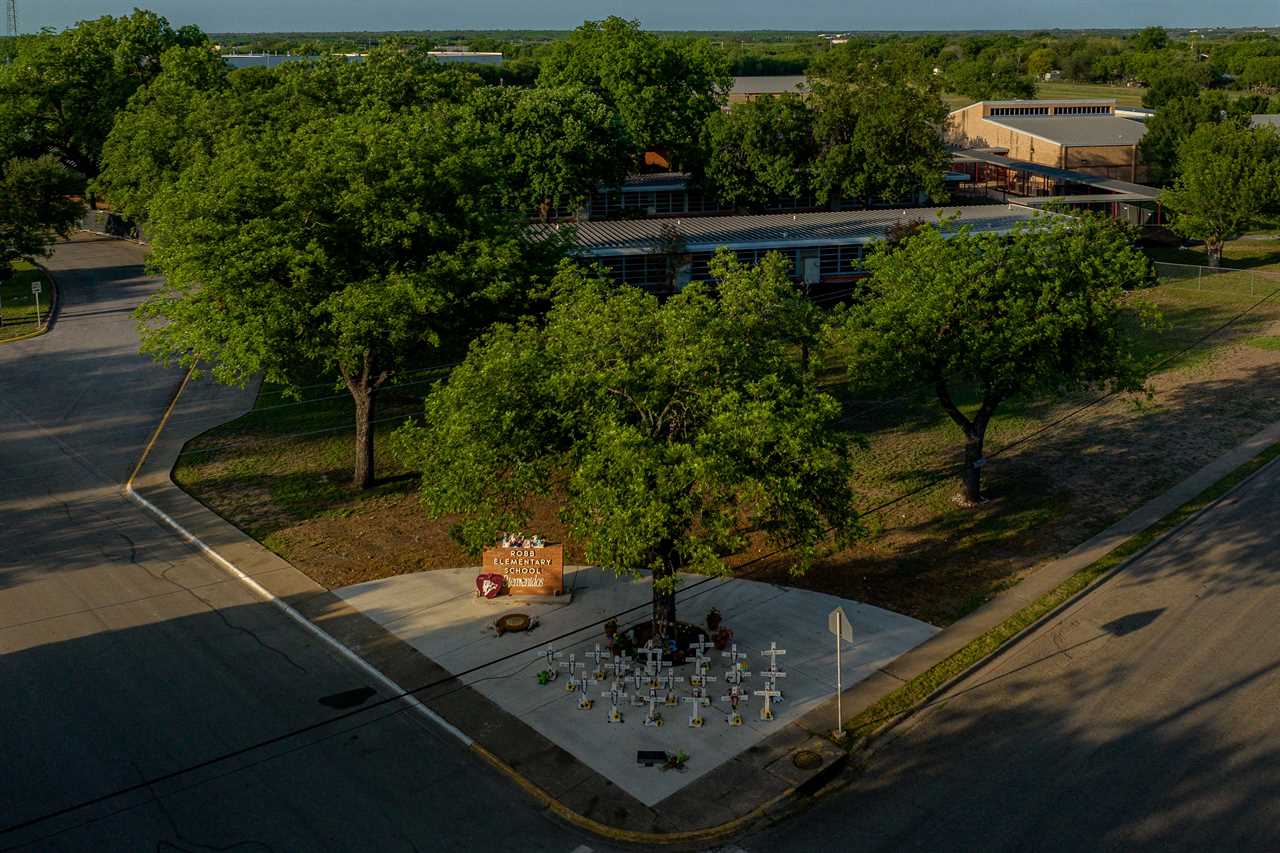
{"x": 529, "y": 571}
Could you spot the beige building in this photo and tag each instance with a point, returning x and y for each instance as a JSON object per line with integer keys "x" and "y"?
{"x": 1081, "y": 135}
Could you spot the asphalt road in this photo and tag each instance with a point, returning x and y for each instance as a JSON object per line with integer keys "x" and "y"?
{"x": 124, "y": 655}
{"x": 1145, "y": 718}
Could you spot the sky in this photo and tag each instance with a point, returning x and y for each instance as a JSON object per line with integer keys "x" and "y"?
{"x": 827, "y": 15}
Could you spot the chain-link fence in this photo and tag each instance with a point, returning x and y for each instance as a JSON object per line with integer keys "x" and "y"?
{"x": 1220, "y": 281}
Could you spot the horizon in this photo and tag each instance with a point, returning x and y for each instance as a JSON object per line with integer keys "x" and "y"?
{"x": 390, "y": 16}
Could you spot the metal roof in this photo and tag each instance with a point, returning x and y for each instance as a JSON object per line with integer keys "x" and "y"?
{"x": 767, "y": 85}
{"x": 1024, "y": 102}
{"x": 1265, "y": 119}
{"x": 1076, "y": 130}
{"x": 1112, "y": 185}
{"x": 708, "y": 233}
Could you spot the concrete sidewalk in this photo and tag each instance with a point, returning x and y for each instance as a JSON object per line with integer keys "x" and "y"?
{"x": 756, "y": 782}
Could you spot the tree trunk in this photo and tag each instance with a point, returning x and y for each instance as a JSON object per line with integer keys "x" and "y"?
{"x": 975, "y": 436}
{"x": 363, "y": 387}
{"x": 664, "y": 602}
{"x": 973, "y": 462}
{"x": 1213, "y": 248}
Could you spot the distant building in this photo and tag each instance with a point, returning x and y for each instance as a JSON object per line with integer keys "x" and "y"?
{"x": 1080, "y": 135}
{"x": 271, "y": 60}
{"x": 824, "y": 250}
{"x": 1265, "y": 120}
{"x": 750, "y": 88}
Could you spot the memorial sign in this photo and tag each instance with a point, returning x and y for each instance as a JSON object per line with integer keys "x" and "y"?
{"x": 529, "y": 570}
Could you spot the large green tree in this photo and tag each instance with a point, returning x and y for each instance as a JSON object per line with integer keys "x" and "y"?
{"x": 1227, "y": 176}
{"x": 983, "y": 318}
{"x": 663, "y": 89}
{"x": 554, "y": 145}
{"x": 677, "y": 429}
{"x": 760, "y": 150}
{"x": 60, "y": 93}
{"x": 35, "y": 204}
{"x": 1171, "y": 125}
{"x": 352, "y": 245}
{"x": 878, "y": 139}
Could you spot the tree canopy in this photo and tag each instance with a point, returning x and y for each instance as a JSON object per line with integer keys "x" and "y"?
{"x": 986, "y": 318}
{"x": 61, "y": 91}
{"x": 662, "y": 89}
{"x": 351, "y": 245}
{"x": 35, "y": 204}
{"x": 761, "y": 150}
{"x": 677, "y": 429}
{"x": 1227, "y": 176}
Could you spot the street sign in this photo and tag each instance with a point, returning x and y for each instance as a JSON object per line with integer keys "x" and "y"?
{"x": 838, "y": 624}
{"x": 35, "y": 287}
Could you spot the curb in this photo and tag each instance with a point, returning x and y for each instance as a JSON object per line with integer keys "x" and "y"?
{"x": 50, "y": 318}
{"x": 552, "y": 804}
{"x": 868, "y": 742}
{"x": 532, "y": 789}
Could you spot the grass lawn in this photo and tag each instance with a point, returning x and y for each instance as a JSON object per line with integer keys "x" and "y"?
{"x": 18, "y": 305}
{"x": 281, "y": 472}
{"x": 1125, "y": 96}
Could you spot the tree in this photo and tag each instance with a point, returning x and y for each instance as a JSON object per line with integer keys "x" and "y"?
{"x": 554, "y": 144}
{"x": 678, "y": 429}
{"x": 993, "y": 317}
{"x": 35, "y": 204}
{"x": 760, "y": 150}
{"x": 1151, "y": 38}
{"x": 1041, "y": 61}
{"x": 61, "y": 92}
{"x": 878, "y": 140}
{"x": 1262, "y": 74}
{"x": 1168, "y": 85}
{"x": 662, "y": 89}
{"x": 352, "y": 246}
{"x": 985, "y": 80}
{"x": 1227, "y": 176}
{"x": 1171, "y": 125}
{"x": 155, "y": 137}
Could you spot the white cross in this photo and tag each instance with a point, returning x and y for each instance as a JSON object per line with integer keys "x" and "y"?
{"x": 598, "y": 673}
{"x": 653, "y": 659}
{"x": 621, "y": 664}
{"x": 735, "y": 698}
{"x": 698, "y": 701}
{"x": 667, "y": 682}
{"x": 553, "y": 661}
{"x": 616, "y": 697}
{"x": 653, "y": 718}
{"x": 737, "y": 662}
{"x": 700, "y": 648}
{"x": 573, "y": 667}
{"x": 766, "y": 713}
{"x": 772, "y": 674}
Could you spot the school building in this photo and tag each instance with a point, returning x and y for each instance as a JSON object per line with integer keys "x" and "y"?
{"x": 1081, "y": 135}
{"x": 824, "y": 249}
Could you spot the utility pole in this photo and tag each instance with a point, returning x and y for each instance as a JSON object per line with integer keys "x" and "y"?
{"x": 11, "y": 18}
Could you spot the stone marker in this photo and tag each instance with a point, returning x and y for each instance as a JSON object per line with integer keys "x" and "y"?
{"x": 735, "y": 698}
{"x": 699, "y": 701}
{"x": 769, "y": 694}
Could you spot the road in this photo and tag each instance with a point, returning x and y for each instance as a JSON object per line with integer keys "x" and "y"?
{"x": 124, "y": 655}
{"x": 1144, "y": 718}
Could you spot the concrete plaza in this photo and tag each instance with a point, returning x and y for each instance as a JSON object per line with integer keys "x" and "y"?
{"x": 438, "y": 614}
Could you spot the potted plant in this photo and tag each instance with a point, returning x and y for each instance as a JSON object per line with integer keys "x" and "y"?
{"x": 611, "y": 628}
{"x": 722, "y": 638}
{"x": 713, "y": 620}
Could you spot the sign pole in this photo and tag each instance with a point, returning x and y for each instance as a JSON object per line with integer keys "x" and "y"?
{"x": 839, "y": 729}
{"x": 37, "y": 309}
{"x": 839, "y": 625}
